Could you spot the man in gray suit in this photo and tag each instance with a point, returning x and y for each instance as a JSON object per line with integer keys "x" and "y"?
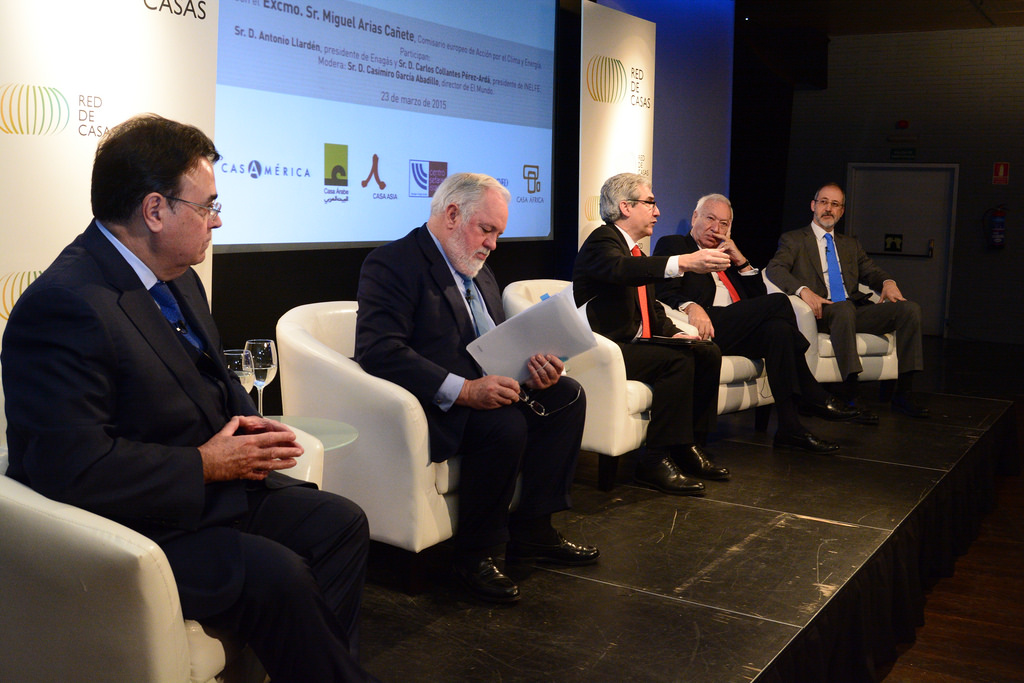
{"x": 824, "y": 269}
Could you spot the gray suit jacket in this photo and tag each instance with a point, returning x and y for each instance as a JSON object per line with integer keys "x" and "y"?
{"x": 797, "y": 263}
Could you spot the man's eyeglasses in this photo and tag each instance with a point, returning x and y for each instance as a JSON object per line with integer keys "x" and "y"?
{"x": 828, "y": 202}
{"x": 538, "y": 408}
{"x": 210, "y": 210}
{"x": 649, "y": 202}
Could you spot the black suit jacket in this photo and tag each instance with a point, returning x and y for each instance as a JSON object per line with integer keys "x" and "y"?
{"x": 413, "y": 328}
{"x": 797, "y": 263}
{"x": 699, "y": 287}
{"x": 606, "y": 277}
{"x": 106, "y": 411}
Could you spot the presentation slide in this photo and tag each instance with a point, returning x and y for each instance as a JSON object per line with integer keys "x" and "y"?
{"x": 338, "y": 120}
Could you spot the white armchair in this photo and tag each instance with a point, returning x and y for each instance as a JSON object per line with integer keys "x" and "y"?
{"x": 617, "y": 408}
{"x": 743, "y": 382}
{"x": 408, "y": 499}
{"x": 877, "y": 352}
{"x": 83, "y": 598}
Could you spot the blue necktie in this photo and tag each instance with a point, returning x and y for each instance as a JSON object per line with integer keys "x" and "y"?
{"x": 169, "y": 307}
{"x": 481, "y": 321}
{"x": 835, "y": 274}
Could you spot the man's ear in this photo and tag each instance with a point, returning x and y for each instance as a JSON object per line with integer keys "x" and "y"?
{"x": 451, "y": 214}
{"x": 153, "y": 204}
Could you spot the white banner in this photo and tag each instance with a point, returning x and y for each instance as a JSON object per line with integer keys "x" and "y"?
{"x": 616, "y": 104}
{"x": 69, "y": 70}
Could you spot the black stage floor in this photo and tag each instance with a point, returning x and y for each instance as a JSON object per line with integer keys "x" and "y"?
{"x": 800, "y": 568}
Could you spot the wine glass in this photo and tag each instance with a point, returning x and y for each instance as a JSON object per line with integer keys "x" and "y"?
{"x": 240, "y": 363}
{"x": 264, "y": 364}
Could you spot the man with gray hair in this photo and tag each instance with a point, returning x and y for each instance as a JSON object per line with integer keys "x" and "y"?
{"x": 733, "y": 308}
{"x": 616, "y": 281}
{"x": 422, "y": 299}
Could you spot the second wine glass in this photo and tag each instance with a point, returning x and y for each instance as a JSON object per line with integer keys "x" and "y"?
{"x": 239, "y": 361}
{"x": 264, "y": 364}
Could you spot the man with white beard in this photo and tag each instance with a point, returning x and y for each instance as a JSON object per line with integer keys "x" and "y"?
{"x": 422, "y": 299}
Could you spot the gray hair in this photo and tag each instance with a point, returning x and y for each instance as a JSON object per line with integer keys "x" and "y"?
{"x": 465, "y": 190}
{"x": 714, "y": 198}
{"x": 617, "y": 188}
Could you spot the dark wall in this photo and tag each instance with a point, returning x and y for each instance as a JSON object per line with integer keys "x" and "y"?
{"x": 929, "y": 97}
{"x": 770, "y": 64}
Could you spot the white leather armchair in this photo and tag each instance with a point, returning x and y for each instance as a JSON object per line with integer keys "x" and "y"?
{"x": 617, "y": 408}
{"x": 743, "y": 382}
{"x": 83, "y": 598}
{"x": 877, "y": 352}
{"x": 408, "y": 499}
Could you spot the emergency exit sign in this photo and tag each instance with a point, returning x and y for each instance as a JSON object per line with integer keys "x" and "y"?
{"x": 1001, "y": 173}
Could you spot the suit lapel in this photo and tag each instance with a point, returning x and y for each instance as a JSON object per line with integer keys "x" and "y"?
{"x": 707, "y": 280}
{"x": 142, "y": 312}
{"x": 445, "y": 281}
{"x": 847, "y": 262}
{"x": 813, "y": 258}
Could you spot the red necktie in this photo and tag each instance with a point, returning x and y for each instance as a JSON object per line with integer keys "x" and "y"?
{"x": 645, "y": 329}
{"x": 733, "y": 294}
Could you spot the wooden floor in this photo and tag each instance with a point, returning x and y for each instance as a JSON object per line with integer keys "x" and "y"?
{"x": 974, "y": 620}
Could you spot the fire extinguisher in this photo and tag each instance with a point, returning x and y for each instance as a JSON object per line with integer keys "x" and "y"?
{"x": 994, "y": 222}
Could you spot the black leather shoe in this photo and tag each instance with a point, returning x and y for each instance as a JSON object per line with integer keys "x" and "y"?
{"x": 564, "y": 553}
{"x": 664, "y": 476}
{"x": 806, "y": 441}
{"x": 865, "y": 417}
{"x": 484, "y": 580}
{"x": 903, "y": 404}
{"x": 833, "y": 409}
{"x": 694, "y": 461}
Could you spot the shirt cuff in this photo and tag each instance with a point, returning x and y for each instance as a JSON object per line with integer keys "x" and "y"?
{"x": 449, "y": 391}
{"x": 672, "y": 267}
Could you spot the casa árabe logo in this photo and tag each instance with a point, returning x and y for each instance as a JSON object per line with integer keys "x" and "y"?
{"x": 335, "y": 173}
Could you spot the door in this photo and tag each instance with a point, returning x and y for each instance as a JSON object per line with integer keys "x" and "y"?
{"x": 904, "y": 217}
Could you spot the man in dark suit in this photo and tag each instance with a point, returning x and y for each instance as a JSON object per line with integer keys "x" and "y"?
{"x": 801, "y": 266}
{"x": 615, "y": 280}
{"x": 128, "y": 412}
{"x": 422, "y": 299}
{"x": 732, "y": 307}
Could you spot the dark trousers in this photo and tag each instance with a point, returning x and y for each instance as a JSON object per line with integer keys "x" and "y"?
{"x": 844, "y": 320}
{"x": 684, "y": 383}
{"x": 765, "y": 327}
{"x": 499, "y": 444}
{"x": 305, "y": 563}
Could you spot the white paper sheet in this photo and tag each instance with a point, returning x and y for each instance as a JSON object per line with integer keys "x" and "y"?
{"x": 553, "y": 326}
